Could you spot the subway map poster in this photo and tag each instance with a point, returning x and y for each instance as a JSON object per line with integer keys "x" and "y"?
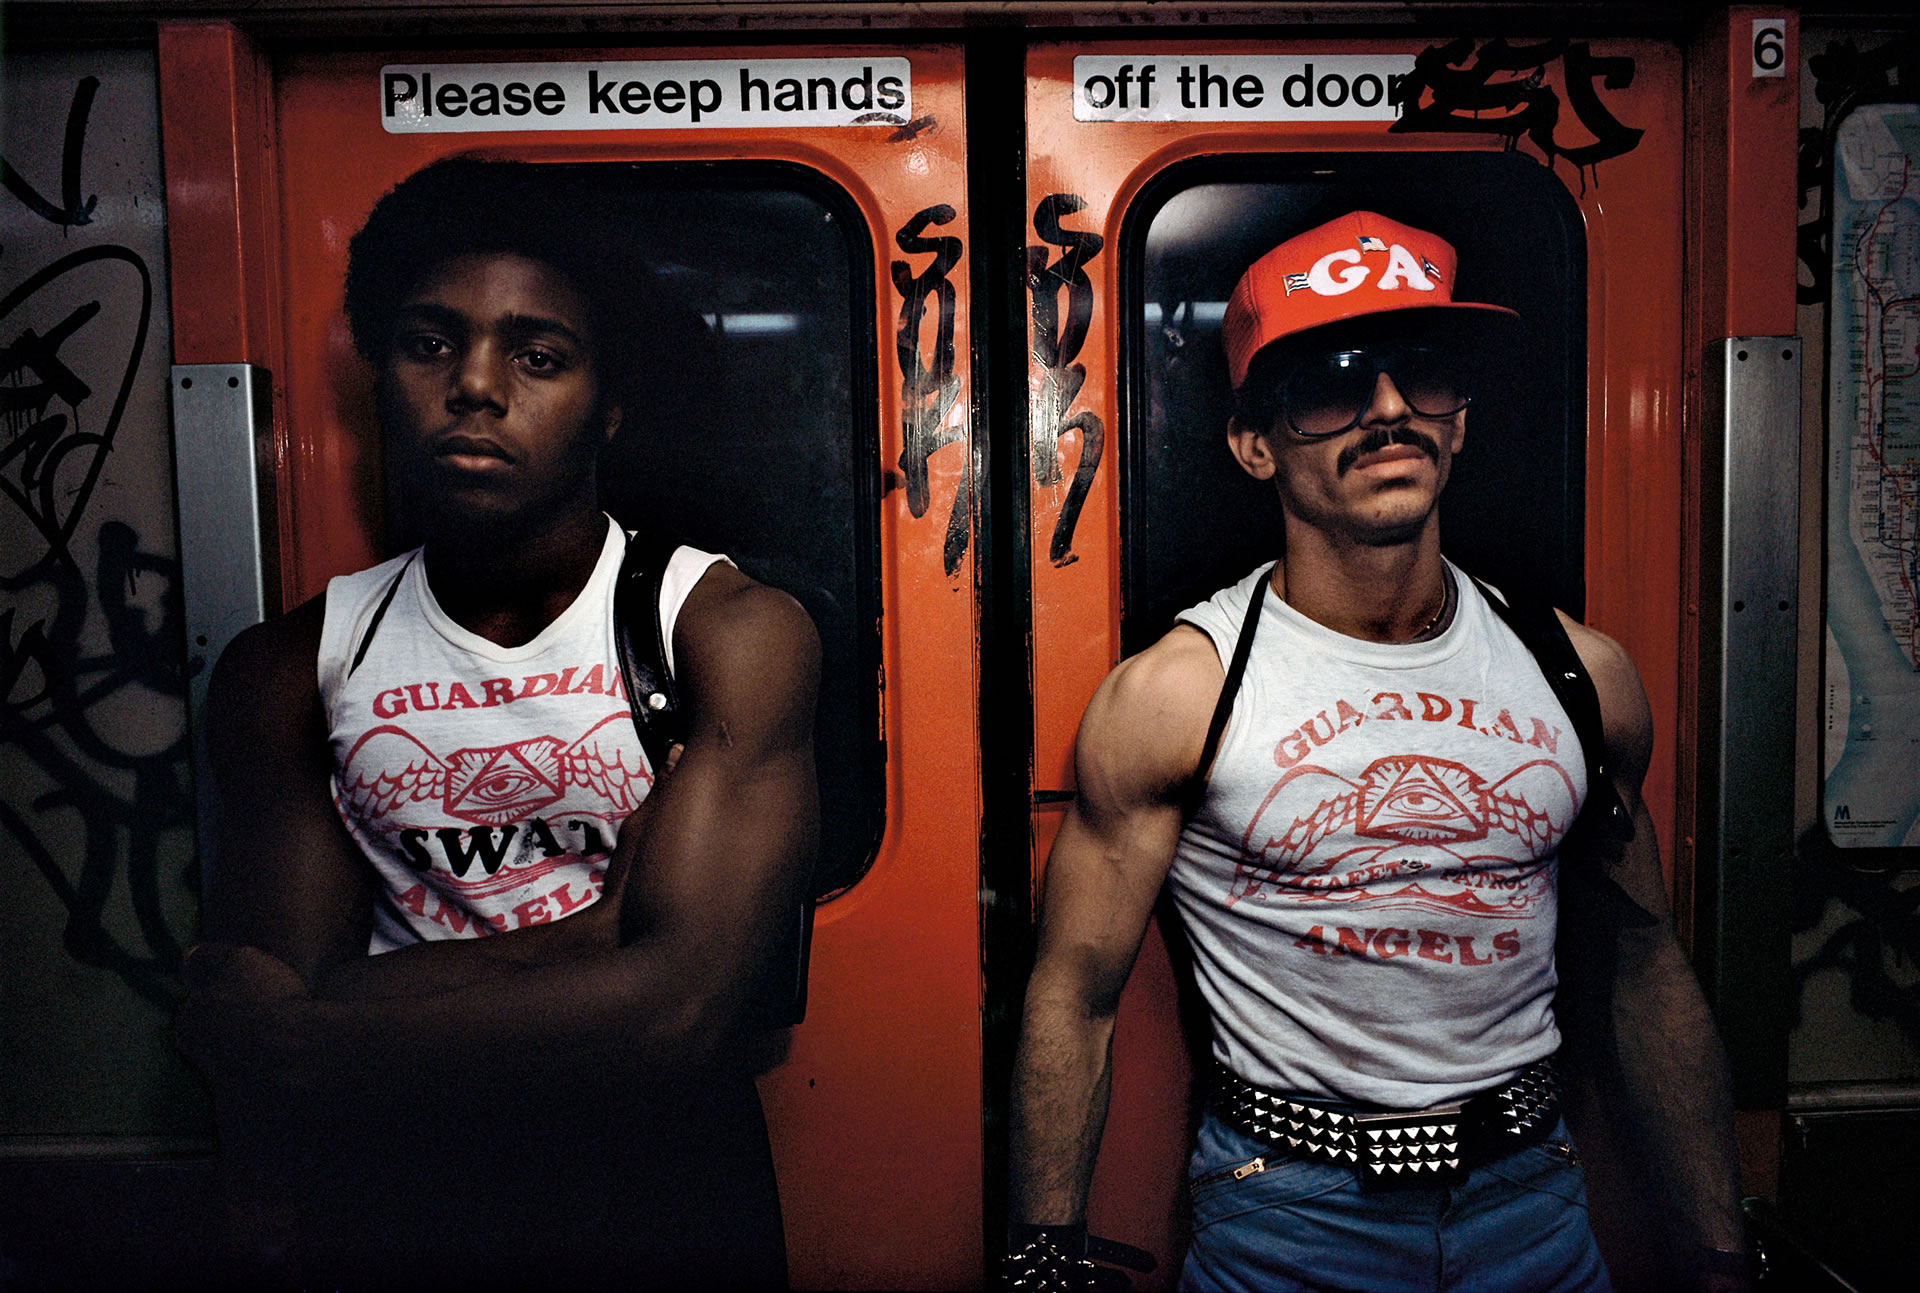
{"x": 1872, "y": 683}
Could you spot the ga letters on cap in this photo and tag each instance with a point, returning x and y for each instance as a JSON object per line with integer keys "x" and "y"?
{"x": 1361, "y": 263}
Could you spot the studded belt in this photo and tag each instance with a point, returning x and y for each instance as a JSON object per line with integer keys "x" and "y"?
{"x": 1424, "y": 1147}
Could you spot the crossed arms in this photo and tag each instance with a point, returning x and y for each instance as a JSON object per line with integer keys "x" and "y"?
{"x": 648, "y": 983}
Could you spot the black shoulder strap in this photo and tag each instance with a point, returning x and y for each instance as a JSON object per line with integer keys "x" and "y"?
{"x": 641, "y": 641}
{"x": 379, "y": 613}
{"x": 1534, "y": 622}
{"x": 1196, "y": 788}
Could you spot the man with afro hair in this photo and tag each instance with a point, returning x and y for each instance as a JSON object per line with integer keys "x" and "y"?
{"x": 475, "y": 1000}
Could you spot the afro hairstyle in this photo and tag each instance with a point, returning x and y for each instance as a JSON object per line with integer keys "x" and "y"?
{"x": 464, "y": 206}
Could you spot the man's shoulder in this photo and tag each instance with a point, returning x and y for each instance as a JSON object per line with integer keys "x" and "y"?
{"x": 1148, "y": 720}
{"x": 274, "y": 645}
{"x": 1626, "y": 717}
{"x": 1183, "y": 668}
{"x": 727, "y": 602}
{"x": 1605, "y": 659}
{"x": 268, "y": 668}
{"x": 733, "y": 629}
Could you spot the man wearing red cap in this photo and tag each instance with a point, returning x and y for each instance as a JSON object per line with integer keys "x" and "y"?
{"x": 1356, "y": 769}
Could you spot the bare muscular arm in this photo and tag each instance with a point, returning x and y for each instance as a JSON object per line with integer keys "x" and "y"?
{"x": 654, "y": 981}
{"x": 1638, "y": 1023}
{"x": 1139, "y": 741}
{"x": 286, "y": 877}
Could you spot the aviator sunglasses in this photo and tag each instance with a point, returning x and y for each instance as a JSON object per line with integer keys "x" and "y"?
{"x": 1327, "y": 394}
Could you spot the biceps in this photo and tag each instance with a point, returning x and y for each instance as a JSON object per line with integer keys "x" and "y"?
{"x": 728, "y": 845}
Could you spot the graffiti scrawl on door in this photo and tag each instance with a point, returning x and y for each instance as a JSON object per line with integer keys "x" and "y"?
{"x": 1498, "y": 88}
{"x": 97, "y": 879}
{"x": 929, "y": 386}
{"x": 1057, "y": 337}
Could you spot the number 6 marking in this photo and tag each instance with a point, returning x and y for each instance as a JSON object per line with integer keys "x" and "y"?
{"x": 1769, "y": 47}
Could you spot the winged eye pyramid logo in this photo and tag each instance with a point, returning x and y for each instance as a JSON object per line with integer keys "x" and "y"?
{"x": 389, "y": 768}
{"x": 1416, "y": 816}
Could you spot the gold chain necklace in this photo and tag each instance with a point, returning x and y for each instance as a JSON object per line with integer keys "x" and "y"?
{"x": 1446, "y": 600}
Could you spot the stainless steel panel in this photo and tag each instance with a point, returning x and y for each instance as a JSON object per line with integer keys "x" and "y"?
{"x": 1749, "y": 644}
{"x": 229, "y": 567}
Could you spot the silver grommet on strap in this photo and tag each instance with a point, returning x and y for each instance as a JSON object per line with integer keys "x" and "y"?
{"x": 656, "y": 701}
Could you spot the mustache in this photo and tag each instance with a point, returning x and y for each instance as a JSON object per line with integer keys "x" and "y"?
{"x": 1378, "y": 439}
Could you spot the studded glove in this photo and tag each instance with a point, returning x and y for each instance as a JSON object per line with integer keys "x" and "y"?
{"x": 1065, "y": 1259}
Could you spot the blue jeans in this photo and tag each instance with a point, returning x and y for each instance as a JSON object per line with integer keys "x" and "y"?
{"x": 1515, "y": 1225}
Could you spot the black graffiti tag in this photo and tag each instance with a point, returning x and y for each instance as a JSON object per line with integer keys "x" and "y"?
{"x": 1501, "y": 89}
{"x": 33, "y": 376}
{"x": 928, "y": 389}
{"x": 71, "y": 210}
{"x": 61, "y": 707}
{"x": 55, "y": 711}
{"x": 1056, "y": 344}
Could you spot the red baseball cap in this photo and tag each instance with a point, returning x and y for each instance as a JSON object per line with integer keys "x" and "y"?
{"x": 1361, "y": 263}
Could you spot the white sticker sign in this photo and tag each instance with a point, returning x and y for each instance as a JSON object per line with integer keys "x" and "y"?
{"x": 663, "y": 94}
{"x": 1238, "y": 87}
{"x": 1769, "y": 47}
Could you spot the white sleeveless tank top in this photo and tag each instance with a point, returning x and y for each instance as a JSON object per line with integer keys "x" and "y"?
{"x": 1369, "y": 885}
{"x": 485, "y": 784}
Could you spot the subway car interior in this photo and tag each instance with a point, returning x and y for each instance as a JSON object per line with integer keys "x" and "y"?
{"x": 942, "y": 353}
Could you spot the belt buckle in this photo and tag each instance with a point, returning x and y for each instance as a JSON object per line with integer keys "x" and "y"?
{"x": 1411, "y": 1150}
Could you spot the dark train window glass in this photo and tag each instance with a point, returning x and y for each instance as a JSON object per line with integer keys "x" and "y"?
{"x": 1191, "y": 520}
{"x": 763, "y": 441}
